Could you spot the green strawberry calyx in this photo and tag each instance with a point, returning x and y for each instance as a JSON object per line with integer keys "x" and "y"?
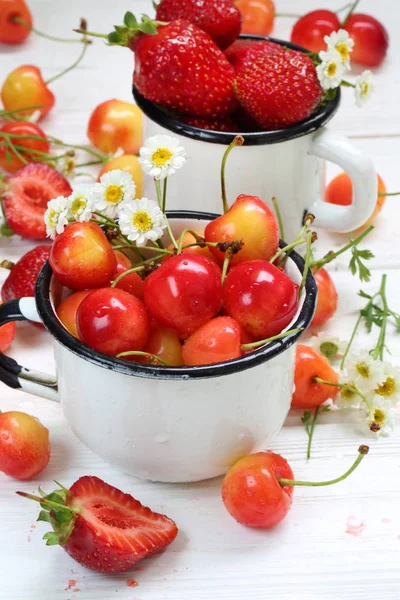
{"x": 123, "y": 34}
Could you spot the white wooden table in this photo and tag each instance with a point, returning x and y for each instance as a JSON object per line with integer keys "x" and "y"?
{"x": 312, "y": 554}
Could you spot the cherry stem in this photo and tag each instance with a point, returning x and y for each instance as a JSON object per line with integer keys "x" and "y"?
{"x": 274, "y": 338}
{"x": 125, "y": 273}
{"x": 20, "y": 21}
{"x": 353, "y": 335}
{"x": 352, "y": 9}
{"x": 5, "y": 113}
{"x": 362, "y": 451}
{"x": 238, "y": 141}
{"x": 225, "y": 266}
{"x": 377, "y": 352}
{"x": 307, "y": 262}
{"x": 384, "y": 194}
{"x": 344, "y": 386}
{"x": 287, "y": 15}
{"x": 332, "y": 255}
{"x": 278, "y": 217}
{"x": 310, "y": 431}
{"x": 54, "y": 141}
{"x": 146, "y": 354}
{"x": 74, "y": 64}
{"x": 91, "y": 33}
{"x": 49, "y": 503}
{"x": 7, "y": 264}
{"x": 180, "y": 243}
{"x": 287, "y": 249}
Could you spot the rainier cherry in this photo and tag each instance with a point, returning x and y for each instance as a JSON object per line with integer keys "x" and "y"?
{"x": 309, "y": 31}
{"x": 261, "y": 297}
{"x": 115, "y": 124}
{"x": 216, "y": 341}
{"x": 12, "y": 32}
{"x": 130, "y": 164}
{"x": 24, "y": 445}
{"x": 370, "y": 37}
{"x": 68, "y": 308}
{"x": 258, "y": 16}
{"x": 308, "y": 393}
{"x": 327, "y": 299}
{"x": 7, "y": 335}
{"x": 112, "y": 321}
{"x": 184, "y": 293}
{"x": 189, "y": 239}
{"x": 165, "y": 345}
{"x": 9, "y": 160}
{"x": 81, "y": 257}
{"x": 132, "y": 283}
{"x": 25, "y": 87}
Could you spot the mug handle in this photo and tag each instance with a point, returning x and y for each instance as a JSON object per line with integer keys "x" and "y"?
{"x": 338, "y": 149}
{"x": 13, "y": 374}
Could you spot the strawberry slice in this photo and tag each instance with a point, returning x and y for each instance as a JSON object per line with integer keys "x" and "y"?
{"x": 27, "y": 193}
{"x": 101, "y": 527}
{"x": 24, "y": 273}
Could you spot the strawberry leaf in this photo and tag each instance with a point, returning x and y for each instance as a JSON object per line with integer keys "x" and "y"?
{"x": 130, "y": 20}
{"x": 114, "y": 37}
{"x": 62, "y": 515}
{"x": 44, "y": 516}
{"x": 52, "y": 538}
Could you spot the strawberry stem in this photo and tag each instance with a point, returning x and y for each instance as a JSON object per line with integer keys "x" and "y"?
{"x": 362, "y": 451}
{"x": 238, "y": 141}
{"x": 48, "y": 503}
{"x": 20, "y": 21}
{"x": 274, "y": 338}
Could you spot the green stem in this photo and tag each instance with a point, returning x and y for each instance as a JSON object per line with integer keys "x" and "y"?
{"x": 380, "y": 345}
{"x": 286, "y": 249}
{"x": 17, "y": 152}
{"x": 164, "y": 196}
{"x": 158, "y": 192}
{"x": 307, "y": 262}
{"x": 49, "y": 503}
{"x": 311, "y": 432}
{"x": 139, "y": 353}
{"x": 332, "y": 255}
{"x": 274, "y": 338}
{"x": 92, "y": 33}
{"x": 89, "y": 164}
{"x": 225, "y": 266}
{"x": 344, "y": 386}
{"x": 363, "y": 450}
{"x": 44, "y": 35}
{"x": 171, "y": 235}
{"x": 238, "y": 141}
{"x": 345, "y": 7}
{"x": 353, "y": 335}
{"x": 345, "y": 83}
{"x": 74, "y": 64}
{"x": 180, "y": 243}
{"x": 125, "y": 273}
{"x": 4, "y": 113}
{"x": 287, "y": 15}
{"x": 384, "y": 194}
{"x": 352, "y": 9}
{"x": 54, "y": 141}
{"x": 279, "y": 218}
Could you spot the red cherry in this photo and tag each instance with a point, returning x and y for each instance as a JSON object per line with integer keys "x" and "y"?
{"x": 184, "y": 293}
{"x": 327, "y": 299}
{"x": 25, "y": 87}
{"x": 67, "y": 310}
{"x": 309, "y": 364}
{"x": 371, "y": 40}
{"x": 252, "y": 493}
{"x": 115, "y": 124}
{"x": 24, "y": 445}
{"x": 216, "y": 341}
{"x": 132, "y": 283}
{"x": 258, "y": 16}
{"x": 261, "y": 297}
{"x": 309, "y": 31}
{"x": 166, "y": 345}
{"x": 249, "y": 219}
{"x": 81, "y": 257}
{"x": 112, "y": 321}
{"x": 7, "y": 335}
{"x": 12, "y": 32}
{"x": 9, "y": 161}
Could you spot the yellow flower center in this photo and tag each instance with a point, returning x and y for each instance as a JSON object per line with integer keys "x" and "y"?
{"x": 364, "y": 89}
{"x": 69, "y": 166}
{"x": 343, "y": 51}
{"x": 363, "y": 370}
{"x": 53, "y": 216}
{"x": 387, "y": 388}
{"x": 379, "y": 416}
{"x": 114, "y": 194}
{"x": 348, "y": 394}
{"x": 161, "y": 156}
{"x": 78, "y": 205}
{"x": 142, "y": 221}
{"x": 331, "y": 69}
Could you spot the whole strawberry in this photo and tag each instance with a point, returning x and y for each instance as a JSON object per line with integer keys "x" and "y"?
{"x": 227, "y": 125}
{"x": 221, "y": 19}
{"x": 245, "y": 52}
{"x": 22, "y": 278}
{"x": 101, "y": 527}
{"x": 279, "y": 90}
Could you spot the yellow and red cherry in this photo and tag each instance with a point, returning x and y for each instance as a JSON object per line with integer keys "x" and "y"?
{"x": 217, "y": 341}
{"x": 188, "y": 239}
{"x": 67, "y": 309}
{"x": 310, "y": 30}
{"x": 82, "y": 258}
{"x": 132, "y": 283}
{"x": 327, "y": 299}
{"x": 12, "y": 32}
{"x": 9, "y": 159}
{"x": 308, "y": 393}
{"x": 25, "y": 86}
{"x": 184, "y": 293}
{"x": 261, "y": 297}
{"x": 249, "y": 219}
{"x": 115, "y": 124}
{"x": 252, "y": 493}
{"x": 24, "y": 445}
{"x": 7, "y": 335}
{"x": 130, "y": 164}
{"x": 258, "y": 16}
{"x": 112, "y": 321}
{"x": 165, "y": 345}
{"x": 370, "y": 37}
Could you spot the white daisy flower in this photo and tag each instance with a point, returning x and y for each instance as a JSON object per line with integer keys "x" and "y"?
{"x": 113, "y": 188}
{"x": 80, "y": 204}
{"x": 346, "y": 398}
{"x": 66, "y": 166}
{"x": 364, "y": 88}
{"x": 141, "y": 220}
{"x": 389, "y": 388}
{"x": 328, "y": 345}
{"x": 342, "y": 43}
{"x": 56, "y": 216}
{"x": 331, "y": 70}
{"x": 380, "y": 420}
{"x": 364, "y": 371}
{"x": 161, "y": 156}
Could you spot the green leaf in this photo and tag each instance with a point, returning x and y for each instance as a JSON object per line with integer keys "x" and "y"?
{"x": 52, "y": 538}
{"x": 6, "y": 231}
{"x": 130, "y": 20}
{"x": 155, "y": 5}
{"x": 122, "y": 31}
{"x": 147, "y": 25}
{"x": 114, "y": 37}
{"x": 44, "y": 516}
{"x": 364, "y": 295}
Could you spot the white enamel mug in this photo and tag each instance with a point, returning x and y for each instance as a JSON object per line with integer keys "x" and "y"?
{"x": 287, "y": 164}
{"x": 165, "y": 424}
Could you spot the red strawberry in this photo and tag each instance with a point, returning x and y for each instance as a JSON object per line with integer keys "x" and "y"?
{"x": 227, "y": 124}
{"x": 101, "y": 527}
{"x": 245, "y": 52}
{"x": 221, "y": 19}
{"x": 182, "y": 68}
{"x": 27, "y": 194}
{"x": 22, "y": 279}
{"x": 279, "y": 90}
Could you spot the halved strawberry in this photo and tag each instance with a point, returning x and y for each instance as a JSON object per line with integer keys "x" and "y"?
{"x": 27, "y": 193}
{"x": 24, "y": 273}
{"x": 245, "y": 52}
{"x": 101, "y": 527}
